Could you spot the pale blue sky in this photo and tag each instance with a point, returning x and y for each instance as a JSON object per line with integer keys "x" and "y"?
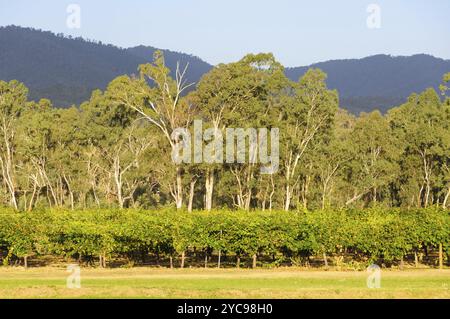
{"x": 297, "y": 32}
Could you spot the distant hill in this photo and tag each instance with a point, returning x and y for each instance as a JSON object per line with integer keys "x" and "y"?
{"x": 379, "y": 81}
{"x": 66, "y": 69}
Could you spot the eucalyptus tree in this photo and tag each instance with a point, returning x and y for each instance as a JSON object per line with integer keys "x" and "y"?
{"x": 423, "y": 122}
{"x": 13, "y": 98}
{"x": 68, "y": 155}
{"x": 258, "y": 116}
{"x": 332, "y": 164}
{"x": 34, "y": 133}
{"x": 375, "y": 152}
{"x": 329, "y": 158}
{"x": 307, "y": 114}
{"x": 220, "y": 96}
{"x": 116, "y": 143}
{"x": 50, "y": 155}
{"x": 238, "y": 95}
{"x": 158, "y": 98}
{"x": 446, "y": 158}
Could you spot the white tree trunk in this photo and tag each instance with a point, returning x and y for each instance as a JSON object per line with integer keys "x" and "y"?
{"x": 191, "y": 194}
{"x": 447, "y": 196}
{"x": 209, "y": 187}
{"x": 118, "y": 182}
{"x": 179, "y": 189}
{"x": 287, "y": 202}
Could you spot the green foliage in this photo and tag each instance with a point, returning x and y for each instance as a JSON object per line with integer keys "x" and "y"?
{"x": 370, "y": 235}
{"x": 115, "y": 150}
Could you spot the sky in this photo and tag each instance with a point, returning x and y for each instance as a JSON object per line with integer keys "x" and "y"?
{"x": 297, "y": 32}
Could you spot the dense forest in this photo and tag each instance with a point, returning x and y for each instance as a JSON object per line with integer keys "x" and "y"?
{"x": 115, "y": 149}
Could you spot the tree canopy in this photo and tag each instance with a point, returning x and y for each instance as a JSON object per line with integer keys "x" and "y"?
{"x": 115, "y": 149}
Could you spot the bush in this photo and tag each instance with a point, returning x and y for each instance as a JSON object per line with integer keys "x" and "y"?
{"x": 370, "y": 235}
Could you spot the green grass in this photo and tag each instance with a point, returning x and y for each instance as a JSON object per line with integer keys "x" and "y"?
{"x": 50, "y": 282}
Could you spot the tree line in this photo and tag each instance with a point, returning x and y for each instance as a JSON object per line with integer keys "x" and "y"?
{"x": 227, "y": 238}
{"x": 115, "y": 149}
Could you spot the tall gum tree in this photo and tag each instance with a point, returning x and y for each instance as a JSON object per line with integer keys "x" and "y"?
{"x": 446, "y": 160}
{"x": 237, "y": 95}
{"x": 35, "y": 130}
{"x": 329, "y": 157}
{"x": 308, "y": 113}
{"x": 423, "y": 122}
{"x": 158, "y": 98}
{"x": 118, "y": 142}
{"x": 375, "y": 152}
{"x": 13, "y": 97}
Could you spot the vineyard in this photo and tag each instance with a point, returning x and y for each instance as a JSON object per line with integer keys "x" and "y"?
{"x": 170, "y": 238}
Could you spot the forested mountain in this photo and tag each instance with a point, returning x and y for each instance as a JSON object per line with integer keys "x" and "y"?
{"x": 379, "y": 81}
{"x": 66, "y": 70}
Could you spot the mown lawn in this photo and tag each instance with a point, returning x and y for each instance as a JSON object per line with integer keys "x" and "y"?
{"x": 50, "y": 282}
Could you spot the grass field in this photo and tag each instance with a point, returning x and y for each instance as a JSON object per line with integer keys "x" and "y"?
{"x": 50, "y": 282}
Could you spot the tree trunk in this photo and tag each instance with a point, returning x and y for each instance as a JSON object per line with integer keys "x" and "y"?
{"x": 191, "y": 194}
{"x": 218, "y": 260}
{"x": 427, "y": 178}
{"x": 171, "y": 262}
{"x": 238, "y": 261}
{"x": 354, "y": 198}
{"x": 248, "y": 200}
{"x": 325, "y": 260}
{"x": 323, "y": 199}
{"x": 447, "y": 196}
{"x": 305, "y": 191}
{"x": 70, "y": 192}
{"x": 254, "y": 261}
{"x": 179, "y": 189}
{"x": 287, "y": 202}
{"x": 71, "y": 200}
{"x": 427, "y": 193}
{"x": 25, "y": 262}
{"x": 30, "y": 206}
{"x": 9, "y": 182}
{"x": 419, "y": 197}
{"x": 209, "y": 187}
{"x": 7, "y": 165}
{"x": 182, "y": 259}
{"x": 94, "y": 193}
{"x": 441, "y": 259}
{"x": 118, "y": 181}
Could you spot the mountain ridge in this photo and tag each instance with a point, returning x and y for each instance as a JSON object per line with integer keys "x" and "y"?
{"x": 66, "y": 70}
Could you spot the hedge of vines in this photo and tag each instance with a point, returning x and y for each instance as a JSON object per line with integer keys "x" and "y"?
{"x": 111, "y": 235}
